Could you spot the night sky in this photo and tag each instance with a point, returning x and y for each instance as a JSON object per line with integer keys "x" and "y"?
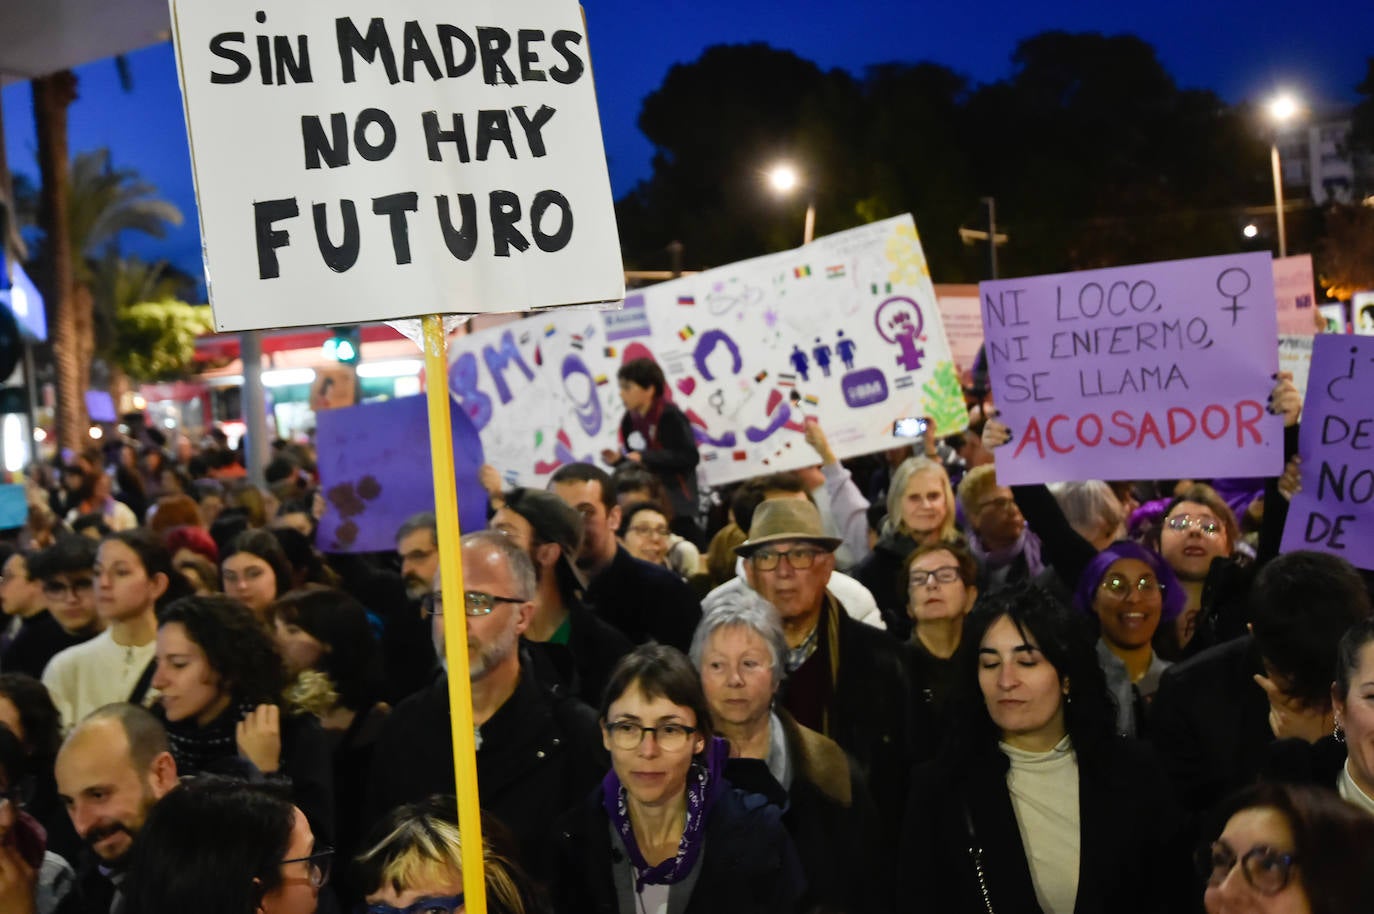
{"x": 1241, "y": 50}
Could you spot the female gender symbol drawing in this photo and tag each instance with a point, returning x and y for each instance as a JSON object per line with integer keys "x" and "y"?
{"x": 899, "y": 322}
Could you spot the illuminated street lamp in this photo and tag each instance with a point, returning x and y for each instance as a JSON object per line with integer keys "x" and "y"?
{"x": 784, "y": 179}
{"x": 1282, "y": 109}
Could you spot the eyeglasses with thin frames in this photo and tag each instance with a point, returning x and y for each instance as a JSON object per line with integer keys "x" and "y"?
{"x": 626, "y": 734}
{"x": 799, "y": 559}
{"x": 66, "y": 590}
{"x": 1267, "y": 869}
{"x": 318, "y": 866}
{"x": 475, "y": 603}
{"x": 648, "y": 530}
{"x": 1207, "y": 526}
{"x": 1120, "y": 586}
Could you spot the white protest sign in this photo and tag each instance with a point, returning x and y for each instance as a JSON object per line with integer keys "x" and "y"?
{"x": 844, "y": 330}
{"x": 358, "y": 162}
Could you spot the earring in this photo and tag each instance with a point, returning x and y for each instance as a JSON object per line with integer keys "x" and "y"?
{"x": 1337, "y": 732}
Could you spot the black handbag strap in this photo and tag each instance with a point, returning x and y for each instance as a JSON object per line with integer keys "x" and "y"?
{"x": 975, "y": 851}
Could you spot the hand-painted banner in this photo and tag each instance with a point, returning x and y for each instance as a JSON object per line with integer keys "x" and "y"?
{"x": 845, "y": 330}
{"x": 1334, "y": 512}
{"x": 1136, "y": 372}
{"x": 358, "y": 161}
{"x": 374, "y": 475}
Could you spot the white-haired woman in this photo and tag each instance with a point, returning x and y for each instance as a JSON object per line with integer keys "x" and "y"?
{"x": 739, "y": 650}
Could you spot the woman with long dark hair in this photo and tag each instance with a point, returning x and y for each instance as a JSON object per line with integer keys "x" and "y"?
{"x": 1037, "y": 803}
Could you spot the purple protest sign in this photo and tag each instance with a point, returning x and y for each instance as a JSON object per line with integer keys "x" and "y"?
{"x": 1161, "y": 369}
{"x": 375, "y": 472}
{"x": 1334, "y": 512}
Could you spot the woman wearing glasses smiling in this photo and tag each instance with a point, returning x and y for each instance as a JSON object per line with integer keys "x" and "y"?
{"x": 665, "y": 831}
{"x": 1129, "y": 590}
{"x": 1290, "y": 850}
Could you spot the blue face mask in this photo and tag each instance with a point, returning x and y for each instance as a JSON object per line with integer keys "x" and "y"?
{"x": 434, "y": 904}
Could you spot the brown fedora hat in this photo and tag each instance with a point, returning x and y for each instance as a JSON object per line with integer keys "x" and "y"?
{"x": 779, "y": 519}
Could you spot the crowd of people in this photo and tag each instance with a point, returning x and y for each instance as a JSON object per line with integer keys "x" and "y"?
{"x": 885, "y": 684}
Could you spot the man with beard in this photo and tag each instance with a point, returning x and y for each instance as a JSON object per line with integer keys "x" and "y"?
{"x": 110, "y": 771}
{"x": 538, "y": 749}
{"x": 409, "y": 656}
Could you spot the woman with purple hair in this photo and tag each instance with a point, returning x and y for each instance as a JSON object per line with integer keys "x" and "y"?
{"x": 1129, "y": 590}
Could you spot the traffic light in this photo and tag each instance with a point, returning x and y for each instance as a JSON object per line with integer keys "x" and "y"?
{"x": 345, "y": 345}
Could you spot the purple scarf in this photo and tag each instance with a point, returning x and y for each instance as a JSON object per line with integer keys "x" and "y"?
{"x": 704, "y": 785}
{"x": 1027, "y": 544}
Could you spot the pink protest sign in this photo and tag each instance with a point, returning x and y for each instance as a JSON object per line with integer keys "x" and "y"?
{"x": 1334, "y": 512}
{"x": 1295, "y": 293}
{"x": 1136, "y": 372}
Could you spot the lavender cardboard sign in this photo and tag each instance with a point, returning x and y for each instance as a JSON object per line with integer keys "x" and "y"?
{"x": 1135, "y": 371}
{"x": 1334, "y": 512}
{"x": 375, "y": 473}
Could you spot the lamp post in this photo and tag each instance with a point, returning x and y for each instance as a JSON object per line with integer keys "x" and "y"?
{"x": 784, "y": 179}
{"x": 1282, "y": 109}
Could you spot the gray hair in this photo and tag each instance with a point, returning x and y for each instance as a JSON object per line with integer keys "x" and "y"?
{"x": 1090, "y": 506}
{"x": 747, "y": 608}
{"x": 422, "y": 521}
{"x": 521, "y": 568}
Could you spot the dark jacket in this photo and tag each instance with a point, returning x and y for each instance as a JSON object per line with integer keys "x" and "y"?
{"x": 932, "y": 688}
{"x": 747, "y": 865}
{"x": 584, "y": 664}
{"x": 645, "y": 602}
{"x": 830, "y": 816}
{"x": 1133, "y": 856}
{"x": 39, "y": 638}
{"x": 881, "y": 573}
{"x": 540, "y": 753}
{"x": 671, "y": 454}
{"x": 869, "y": 714}
{"x": 1210, "y": 723}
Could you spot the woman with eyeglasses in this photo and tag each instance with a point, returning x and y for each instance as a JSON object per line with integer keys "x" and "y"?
{"x": 223, "y": 846}
{"x": 740, "y": 651}
{"x": 33, "y": 880}
{"x": 414, "y": 864}
{"x": 942, "y": 586}
{"x": 1290, "y": 850}
{"x": 1036, "y": 803}
{"x": 665, "y": 830}
{"x": 221, "y": 682}
{"x": 645, "y": 533}
{"x": 255, "y": 570}
{"x": 1128, "y": 591}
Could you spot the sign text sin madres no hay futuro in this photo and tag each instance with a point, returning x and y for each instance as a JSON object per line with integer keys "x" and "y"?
{"x": 1103, "y": 372}
{"x": 368, "y": 145}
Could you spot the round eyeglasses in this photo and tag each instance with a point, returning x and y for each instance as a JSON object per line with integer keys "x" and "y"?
{"x": 626, "y": 734}
{"x": 1121, "y": 587}
{"x": 1207, "y": 526}
{"x": 1265, "y": 868}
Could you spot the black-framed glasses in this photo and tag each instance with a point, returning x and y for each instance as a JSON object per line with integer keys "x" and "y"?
{"x": 475, "y": 603}
{"x": 626, "y": 734}
{"x": 1207, "y": 526}
{"x": 945, "y": 574}
{"x": 650, "y": 530}
{"x": 1120, "y": 586}
{"x": 800, "y": 559}
{"x": 318, "y": 866}
{"x": 1267, "y": 869}
{"x": 64, "y": 590}
{"x": 435, "y": 904}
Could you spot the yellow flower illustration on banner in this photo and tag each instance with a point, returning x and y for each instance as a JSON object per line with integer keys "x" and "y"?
{"x": 904, "y": 252}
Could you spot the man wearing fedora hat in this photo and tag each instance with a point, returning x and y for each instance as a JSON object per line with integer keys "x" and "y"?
{"x": 844, "y": 679}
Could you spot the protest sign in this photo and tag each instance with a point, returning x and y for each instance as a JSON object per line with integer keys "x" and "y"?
{"x": 1334, "y": 315}
{"x": 962, "y": 317}
{"x": 356, "y": 162}
{"x": 1295, "y": 357}
{"x": 1294, "y": 290}
{"x": 1131, "y": 372}
{"x": 1362, "y": 313}
{"x": 844, "y": 330}
{"x": 370, "y": 477}
{"x": 1334, "y": 512}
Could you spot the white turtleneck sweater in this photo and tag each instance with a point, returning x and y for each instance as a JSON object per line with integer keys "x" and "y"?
{"x": 1044, "y": 796}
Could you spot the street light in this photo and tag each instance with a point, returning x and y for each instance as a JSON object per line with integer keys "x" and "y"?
{"x": 1282, "y": 109}
{"x": 784, "y": 179}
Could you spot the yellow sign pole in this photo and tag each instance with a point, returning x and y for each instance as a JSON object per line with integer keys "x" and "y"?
{"x": 435, "y": 344}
